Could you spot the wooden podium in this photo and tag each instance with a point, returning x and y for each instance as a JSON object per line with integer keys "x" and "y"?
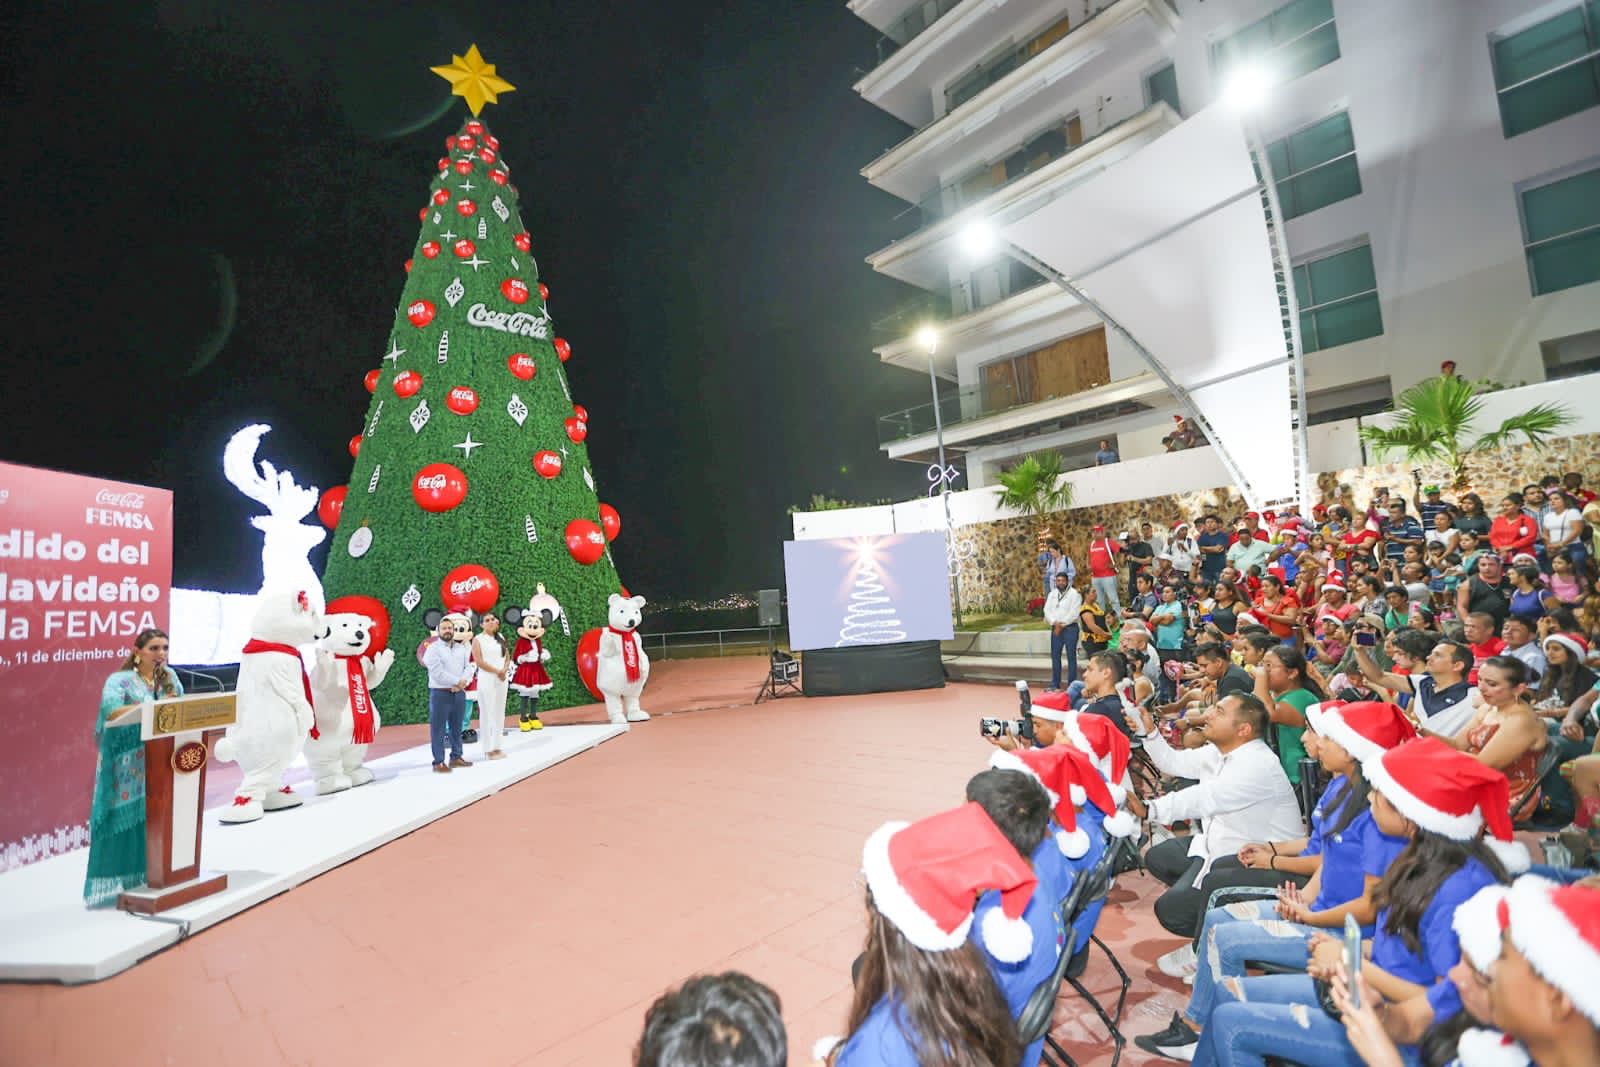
{"x": 178, "y": 734}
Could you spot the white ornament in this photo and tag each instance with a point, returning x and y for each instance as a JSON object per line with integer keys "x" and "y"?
{"x": 467, "y": 186}
{"x": 372, "y": 483}
{"x": 562, "y": 378}
{"x": 373, "y": 425}
{"x": 500, "y": 208}
{"x": 395, "y": 352}
{"x": 588, "y": 479}
{"x": 454, "y": 292}
{"x": 419, "y": 416}
{"x": 566, "y": 628}
{"x": 515, "y": 265}
{"x": 436, "y": 218}
{"x": 360, "y": 541}
{"x": 467, "y": 446}
{"x": 516, "y": 409}
{"x": 448, "y": 236}
{"x": 475, "y": 262}
{"x": 563, "y": 451}
{"x": 483, "y": 229}
{"x": 444, "y": 346}
{"x": 533, "y": 534}
{"x": 411, "y": 598}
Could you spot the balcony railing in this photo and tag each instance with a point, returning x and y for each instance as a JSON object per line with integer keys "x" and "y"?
{"x": 911, "y": 24}
{"x": 974, "y": 403}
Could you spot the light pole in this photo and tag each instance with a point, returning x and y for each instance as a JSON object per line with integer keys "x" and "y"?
{"x": 928, "y": 338}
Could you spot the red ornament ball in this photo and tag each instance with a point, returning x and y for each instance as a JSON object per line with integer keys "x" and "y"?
{"x": 420, "y": 313}
{"x": 585, "y": 541}
{"x": 544, "y": 292}
{"x": 611, "y": 523}
{"x": 493, "y": 142}
{"x": 463, "y": 166}
{"x": 464, "y": 249}
{"x": 422, "y": 213}
{"x": 449, "y": 142}
{"x": 466, "y": 142}
{"x": 547, "y": 463}
{"x": 408, "y": 266}
{"x": 577, "y": 429}
{"x": 486, "y": 154}
{"x": 439, "y": 487}
{"x": 430, "y": 249}
{"x": 523, "y": 241}
{"x": 462, "y": 400}
{"x": 331, "y": 506}
{"x": 475, "y": 128}
{"x": 515, "y": 290}
{"x": 581, "y": 412}
{"x": 522, "y": 365}
{"x": 466, "y": 207}
{"x": 355, "y": 446}
{"x": 372, "y": 379}
{"x": 444, "y": 164}
{"x": 406, "y": 383}
{"x": 472, "y": 585}
{"x": 563, "y": 349}
{"x": 498, "y": 177}
{"x": 441, "y": 195}
{"x": 373, "y": 609}
{"x": 588, "y": 659}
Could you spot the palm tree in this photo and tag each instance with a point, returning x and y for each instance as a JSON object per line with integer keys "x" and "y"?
{"x": 1433, "y": 417}
{"x": 1035, "y": 487}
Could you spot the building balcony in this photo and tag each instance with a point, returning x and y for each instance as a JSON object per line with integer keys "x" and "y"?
{"x": 1061, "y": 39}
{"x": 924, "y": 258}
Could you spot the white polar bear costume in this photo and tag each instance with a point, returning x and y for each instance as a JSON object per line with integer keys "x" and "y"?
{"x": 621, "y": 667}
{"x": 274, "y": 704}
{"x": 335, "y": 754}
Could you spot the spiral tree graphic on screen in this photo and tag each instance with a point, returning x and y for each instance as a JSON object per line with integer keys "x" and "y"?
{"x": 870, "y": 617}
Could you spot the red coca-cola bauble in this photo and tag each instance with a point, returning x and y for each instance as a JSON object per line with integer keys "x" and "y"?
{"x": 463, "y": 166}
{"x": 611, "y": 523}
{"x": 406, "y": 383}
{"x": 371, "y": 379}
{"x": 441, "y": 195}
{"x": 373, "y": 609}
{"x": 461, "y": 400}
{"x": 444, "y": 164}
{"x": 522, "y": 365}
{"x": 408, "y": 266}
{"x": 523, "y": 241}
{"x": 493, "y": 142}
{"x": 474, "y": 127}
{"x": 331, "y": 505}
{"x": 466, "y": 142}
{"x": 354, "y": 446}
{"x": 547, "y": 463}
{"x": 472, "y": 585}
{"x": 581, "y": 412}
{"x": 466, "y": 207}
{"x": 450, "y": 142}
{"x": 420, "y": 313}
{"x": 464, "y": 249}
{"x": 588, "y": 660}
{"x": 486, "y": 154}
{"x": 585, "y": 541}
{"x": 430, "y": 249}
{"x": 515, "y": 290}
{"x": 439, "y": 487}
{"x": 544, "y": 291}
{"x": 577, "y": 429}
{"x": 563, "y": 349}
{"x": 498, "y": 177}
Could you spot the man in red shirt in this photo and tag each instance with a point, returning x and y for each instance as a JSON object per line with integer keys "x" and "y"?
{"x": 1103, "y": 569}
{"x": 1478, "y": 629}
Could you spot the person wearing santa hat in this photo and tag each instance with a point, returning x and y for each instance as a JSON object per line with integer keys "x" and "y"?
{"x": 925, "y": 993}
{"x": 1545, "y": 991}
{"x": 1504, "y": 732}
{"x": 1443, "y": 801}
{"x": 1183, "y": 549}
{"x": 1102, "y": 561}
{"x": 1345, "y": 855}
{"x": 1335, "y": 600}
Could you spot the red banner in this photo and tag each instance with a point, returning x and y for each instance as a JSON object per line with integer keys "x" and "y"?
{"x": 85, "y": 564}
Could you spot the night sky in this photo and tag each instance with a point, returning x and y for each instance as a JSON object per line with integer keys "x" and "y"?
{"x": 689, "y": 172}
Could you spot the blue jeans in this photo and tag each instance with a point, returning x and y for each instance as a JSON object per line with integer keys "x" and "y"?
{"x": 1278, "y": 1016}
{"x": 1235, "y": 933}
{"x": 1105, "y": 590}
{"x": 1066, "y": 641}
{"x": 445, "y": 709}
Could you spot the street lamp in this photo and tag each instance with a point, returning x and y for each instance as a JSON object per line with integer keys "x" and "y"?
{"x": 927, "y": 337}
{"x": 978, "y": 239}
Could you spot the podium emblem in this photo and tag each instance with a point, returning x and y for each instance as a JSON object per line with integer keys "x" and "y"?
{"x": 167, "y": 719}
{"x": 188, "y": 758}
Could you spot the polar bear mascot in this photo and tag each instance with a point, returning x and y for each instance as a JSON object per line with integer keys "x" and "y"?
{"x": 347, "y": 719}
{"x": 274, "y": 704}
{"x": 621, "y": 667}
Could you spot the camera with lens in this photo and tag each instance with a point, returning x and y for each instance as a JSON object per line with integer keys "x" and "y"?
{"x": 1021, "y": 728}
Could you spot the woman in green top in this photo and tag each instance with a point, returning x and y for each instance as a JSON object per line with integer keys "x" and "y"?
{"x": 116, "y": 820}
{"x": 1287, "y": 688}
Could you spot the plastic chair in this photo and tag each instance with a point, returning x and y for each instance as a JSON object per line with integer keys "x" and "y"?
{"x": 1547, "y": 762}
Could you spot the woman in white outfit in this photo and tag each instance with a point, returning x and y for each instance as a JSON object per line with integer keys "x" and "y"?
{"x": 489, "y": 654}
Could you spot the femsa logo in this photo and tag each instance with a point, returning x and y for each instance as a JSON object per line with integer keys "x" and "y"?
{"x": 467, "y": 585}
{"x": 107, "y": 499}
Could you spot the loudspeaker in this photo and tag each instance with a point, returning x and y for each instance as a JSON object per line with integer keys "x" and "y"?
{"x": 771, "y": 611}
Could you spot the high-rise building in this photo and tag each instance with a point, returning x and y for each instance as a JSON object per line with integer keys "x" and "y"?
{"x": 1436, "y": 163}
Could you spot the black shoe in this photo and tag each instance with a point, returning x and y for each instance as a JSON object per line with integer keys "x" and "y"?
{"x": 1176, "y": 1028}
{"x": 1176, "y": 1042}
{"x": 468, "y": 736}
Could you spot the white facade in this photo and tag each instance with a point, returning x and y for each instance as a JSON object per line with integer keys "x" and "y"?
{"x": 1439, "y": 202}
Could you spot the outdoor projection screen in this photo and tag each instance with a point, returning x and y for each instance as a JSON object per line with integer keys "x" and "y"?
{"x": 874, "y": 590}
{"x": 1172, "y": 243}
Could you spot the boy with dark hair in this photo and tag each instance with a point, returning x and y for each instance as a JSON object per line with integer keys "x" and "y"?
{"x": 714, "y": 1020}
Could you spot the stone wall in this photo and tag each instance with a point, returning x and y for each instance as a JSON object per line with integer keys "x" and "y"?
{"x": 1000, "y": 572}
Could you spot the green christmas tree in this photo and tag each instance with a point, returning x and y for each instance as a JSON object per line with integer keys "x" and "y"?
{"x": 471, "y": 461}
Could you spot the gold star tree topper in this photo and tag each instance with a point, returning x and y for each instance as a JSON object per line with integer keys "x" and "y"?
{"x": 474, "y": 80}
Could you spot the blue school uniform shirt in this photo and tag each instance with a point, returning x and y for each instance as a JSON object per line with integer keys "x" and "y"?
{"x": 1349, "y": 856}
{"x": 1440, "y": 948}
{"x": 1017, "y": 981}
{"x": 883, "y": 1040}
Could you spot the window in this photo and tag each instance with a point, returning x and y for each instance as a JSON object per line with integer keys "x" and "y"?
{"x": 1550, "y": 70}
{"x": 1338, "y": 298}
{"x": 1315, "y": 167}
{"x": 1296, "y": 39}
{"x": 1561, "y": 228}
{"x": 1163, "y": 85}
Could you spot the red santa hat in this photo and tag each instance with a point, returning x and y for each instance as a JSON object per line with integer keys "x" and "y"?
{"x": 1070, "y": 780}
{"x": 1366, "y": 728}
{"x": 1252, "y": 515}
{"x": 1179, "y": 525}
{"x": 1097, "y": 528}
{"x": 1098, "y": 738}
{"x": 1573, "y": 643}
{"x": 1449, "y": 793}
{"x": 1319, "y": 509}
{"x": 1053, "y": 706}
{"x": 1335, "y": 580}
{"x": 925, "y": 875}
{"x": 1246, "y": 618}
{"x": 1490, "y": 1048}
{"x": 1557, "y": 929}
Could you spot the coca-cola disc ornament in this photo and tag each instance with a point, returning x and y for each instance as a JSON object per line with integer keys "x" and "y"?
{"x": 577, "y": 429}
{"x": 563, "y": 349}
{"x": 464, "y": 249}
{"x": 472, "y": 585}
{"x": 498, "y": 177}
{"x": 420, "y": 313}
{"x": 522, "y": 365}
{"x": 465, "y": 207}
{"x": 514, "y": 290}
{"x": 430, "y": 249}
{"x": 466, "y": 143}
{"x": 462, "y": 400}
{"x": 355, "y": 446}
{"x": 547, "y": 463}
{"x": 331, "y": 505}
{"x": 406, "y": 383}
{"x": 611, "y": 522}
{"x": 544, "y": 292}
{"x": 474, "y": 127}
{"x": 585, "y": 541}
{"x": 439, "y": 487}
{"x": 371, "y": 379}
{"x": 463, "y": 166}
{"x": 441, "y": 196}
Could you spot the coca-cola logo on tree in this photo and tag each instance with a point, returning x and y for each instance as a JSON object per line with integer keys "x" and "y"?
{"x": 520, "y": 323}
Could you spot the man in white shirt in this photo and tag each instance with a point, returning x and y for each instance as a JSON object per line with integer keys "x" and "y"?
{"x": 1242, "y": 796}
{"x": 1518, "y": 636}
{"x": 1061, "y": 610}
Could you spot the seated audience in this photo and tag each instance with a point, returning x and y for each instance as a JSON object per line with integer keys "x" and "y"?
{"x": 1544, "y": 991}
{"x": 714, "y": 1020}
{"x": 1441, "y": 692}
{"x": 1503, "y": 732}
{"x": 1566, "y": 677}
{"x": 1478, "y": 630}
{"x": 1286, "y": 688}
{"x": 1517, "y": 633}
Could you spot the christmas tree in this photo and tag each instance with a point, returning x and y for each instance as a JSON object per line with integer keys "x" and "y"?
{"x": 471, "y": 480}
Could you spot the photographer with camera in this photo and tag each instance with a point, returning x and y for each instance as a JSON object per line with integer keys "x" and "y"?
{"x": 1441, "y": 696}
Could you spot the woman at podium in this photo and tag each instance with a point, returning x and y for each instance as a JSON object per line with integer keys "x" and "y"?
{"x": 116, "y": 821}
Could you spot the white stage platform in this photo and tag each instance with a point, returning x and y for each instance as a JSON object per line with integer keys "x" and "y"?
{"x": 46, "y": 934}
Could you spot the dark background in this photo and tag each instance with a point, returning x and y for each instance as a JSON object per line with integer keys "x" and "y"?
{"x": 689, "y": 172}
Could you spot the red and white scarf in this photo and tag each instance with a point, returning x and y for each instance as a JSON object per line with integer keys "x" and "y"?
{"x": 630, "y": 651}
{"x": 254, "y": 645}
{"x": 360, "y": 701}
